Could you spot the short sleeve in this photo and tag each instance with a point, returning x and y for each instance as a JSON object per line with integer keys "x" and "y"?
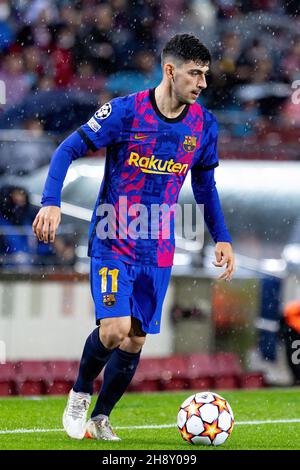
{"x": 208, "y": 151}
{"x": 104, "y": 127}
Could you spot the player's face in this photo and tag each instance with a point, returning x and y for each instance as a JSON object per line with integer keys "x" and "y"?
{"x": 189, "y": 81}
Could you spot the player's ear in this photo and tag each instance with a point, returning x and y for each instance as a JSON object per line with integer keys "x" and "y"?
{"x": 169, "y": 71}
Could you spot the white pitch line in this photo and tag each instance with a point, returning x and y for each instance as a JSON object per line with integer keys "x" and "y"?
{"x": 150, "y": 426}
{"x": 28, "y": 431}
{"x": 269, "y": 421}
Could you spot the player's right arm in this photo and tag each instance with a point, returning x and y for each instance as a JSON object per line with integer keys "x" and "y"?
{"x": 101, "y": 130}
{"x": 48, "y": 218}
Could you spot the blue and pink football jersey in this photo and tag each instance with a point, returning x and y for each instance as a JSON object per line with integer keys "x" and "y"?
{"x": 148, "y": 158}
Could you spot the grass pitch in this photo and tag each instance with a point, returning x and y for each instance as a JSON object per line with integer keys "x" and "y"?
{"x": 264, "y": 419}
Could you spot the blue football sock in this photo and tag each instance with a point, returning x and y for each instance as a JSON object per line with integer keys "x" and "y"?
{"x": 94, "y": 358}
{"x": 118, "y": 374}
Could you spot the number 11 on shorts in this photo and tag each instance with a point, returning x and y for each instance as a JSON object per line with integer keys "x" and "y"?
{"x": 114, "y": 279}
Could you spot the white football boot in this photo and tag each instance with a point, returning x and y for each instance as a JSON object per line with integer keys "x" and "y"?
{"x": 75, "y": 414}
{"x": 100, "y": 428}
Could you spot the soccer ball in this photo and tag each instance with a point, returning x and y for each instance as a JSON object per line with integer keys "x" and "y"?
{"x": 205, "y": 418}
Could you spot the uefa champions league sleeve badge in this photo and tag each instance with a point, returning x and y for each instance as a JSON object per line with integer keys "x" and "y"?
{"x": 104, "y": 111}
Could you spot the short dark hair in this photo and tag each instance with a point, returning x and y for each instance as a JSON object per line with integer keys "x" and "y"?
{"x": 186, "y": 47}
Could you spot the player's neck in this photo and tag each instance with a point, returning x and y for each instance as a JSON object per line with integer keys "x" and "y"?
{"x": 167, "y": 102}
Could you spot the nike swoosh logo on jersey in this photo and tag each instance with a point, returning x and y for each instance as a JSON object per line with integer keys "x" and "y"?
{"x": 140, "y": 137}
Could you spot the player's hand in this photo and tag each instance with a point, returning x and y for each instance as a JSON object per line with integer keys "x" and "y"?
{"x": 225, "y": 257}
{"x": 46, "y": 222}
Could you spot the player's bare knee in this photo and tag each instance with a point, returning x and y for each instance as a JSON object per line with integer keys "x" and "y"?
{"x": 133, "y": 344}
{"x": 111, "y": 339}
{"x": 112, "y": 334}
{"x": 138, "y": 341}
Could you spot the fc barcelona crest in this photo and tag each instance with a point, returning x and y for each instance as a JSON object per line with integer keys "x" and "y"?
{"x": 190, "y": 143}
{"x": 109, "y": 300}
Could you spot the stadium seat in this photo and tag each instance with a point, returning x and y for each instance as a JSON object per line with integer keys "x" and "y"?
{"x": 227, "y": 370}
{"x": 252, "y": 380}
{"x": 200, "y": 372}
{"x": 164, "y": 373}
{"x": 148, "y": 375}
{"x": 7, "y": 379}
{"x": 174, "y": 375}
{"x": 196, "y": 371}
{"x": 62, "y": 375}
{"x": 32, "y": 378}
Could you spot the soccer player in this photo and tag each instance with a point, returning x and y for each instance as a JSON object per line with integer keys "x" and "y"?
{"x": 129, "y": 275}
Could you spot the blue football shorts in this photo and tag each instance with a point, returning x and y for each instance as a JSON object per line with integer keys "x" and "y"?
{"x": 120, "y": 289}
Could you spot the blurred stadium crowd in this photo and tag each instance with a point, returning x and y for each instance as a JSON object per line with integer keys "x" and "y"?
{"x": 112, "y": 48}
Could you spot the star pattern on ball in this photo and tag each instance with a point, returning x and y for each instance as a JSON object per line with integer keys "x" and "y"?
{"x": 221, "y": 404}
{"x": 192, "y": 408}
{"x": 231, "y": 427}
{"x": 185, "y": 434}
{"x": 211, "y": 430}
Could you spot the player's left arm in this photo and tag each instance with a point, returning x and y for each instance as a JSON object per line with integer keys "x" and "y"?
{"x": 205, "y": 192}
{"x": 225, "y": 257}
